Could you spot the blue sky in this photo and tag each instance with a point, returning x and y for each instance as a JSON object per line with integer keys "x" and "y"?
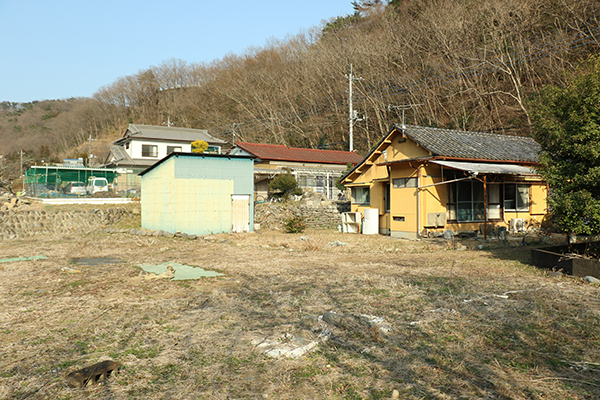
{"x": 61, "y": 49}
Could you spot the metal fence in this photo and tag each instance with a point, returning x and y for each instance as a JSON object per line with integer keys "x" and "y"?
{"x": 60, "y": 181}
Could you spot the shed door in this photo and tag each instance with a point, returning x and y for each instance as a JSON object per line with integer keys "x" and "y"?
{"x": 240, "y": 212}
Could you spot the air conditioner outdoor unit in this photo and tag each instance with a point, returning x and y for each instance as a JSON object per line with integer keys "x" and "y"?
{"x": 436, "y": 220}
{"x": 517, "y": 225}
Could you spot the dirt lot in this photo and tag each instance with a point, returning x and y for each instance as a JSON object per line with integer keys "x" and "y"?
{"x": 413, "y": 320}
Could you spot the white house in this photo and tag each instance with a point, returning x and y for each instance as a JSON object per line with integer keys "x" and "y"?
{"x": 144, "y": 145}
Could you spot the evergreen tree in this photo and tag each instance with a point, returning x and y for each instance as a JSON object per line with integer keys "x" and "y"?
{"x": 568, "y": 130}
{"x": 285, "y": 185}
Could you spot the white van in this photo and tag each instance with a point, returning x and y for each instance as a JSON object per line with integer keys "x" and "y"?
{"x": 95, "y": 185}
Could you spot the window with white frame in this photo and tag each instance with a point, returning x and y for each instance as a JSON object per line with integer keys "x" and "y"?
{"x": 361, "y": 195}
{"x": 149, "y": 150}
{"x": 493, "y": 200}
{"x": 173, "y": 149}
{"x": 516, "y": 197}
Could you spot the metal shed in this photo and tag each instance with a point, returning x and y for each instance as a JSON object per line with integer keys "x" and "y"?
{"x": 199, "y": 194}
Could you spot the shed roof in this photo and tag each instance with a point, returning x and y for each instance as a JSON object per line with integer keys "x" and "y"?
{"x": 153, "y": 132}
{"x": 197, "y": 155}
{"x": 278, "y": 152}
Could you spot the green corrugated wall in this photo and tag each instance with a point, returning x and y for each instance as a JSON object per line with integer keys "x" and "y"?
{"x": 192, "y": 194}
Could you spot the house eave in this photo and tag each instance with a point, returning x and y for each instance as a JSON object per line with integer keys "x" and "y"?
{"x": 443, "y": 158}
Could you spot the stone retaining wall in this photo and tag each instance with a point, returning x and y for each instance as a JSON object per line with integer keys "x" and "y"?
{"x": 317, "y": 215}
{"x": 18, "y": 220}
{"x": 28, "y": 223}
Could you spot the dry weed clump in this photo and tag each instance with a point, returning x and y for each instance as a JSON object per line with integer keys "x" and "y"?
{"x": 459, "y": 324}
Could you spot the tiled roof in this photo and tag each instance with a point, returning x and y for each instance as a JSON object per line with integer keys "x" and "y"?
{"x": 121, "y": 158}
{"x": 273, "y": 152}
{"x": 170, "y": 133}
{"x": 119, "y": 154}
{"x": 474, "y": 145}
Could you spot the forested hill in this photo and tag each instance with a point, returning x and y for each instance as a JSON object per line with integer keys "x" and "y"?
{"x": 454, "y": 63}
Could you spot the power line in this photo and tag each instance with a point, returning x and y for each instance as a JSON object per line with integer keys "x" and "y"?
{"x": 536, "y": 52}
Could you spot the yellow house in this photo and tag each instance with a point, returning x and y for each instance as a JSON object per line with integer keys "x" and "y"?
{"x": 424, "y": 181}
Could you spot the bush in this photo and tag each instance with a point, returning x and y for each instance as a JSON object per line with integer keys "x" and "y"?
{"x": 286, "y": 184}
{"x": 295, "y": 225}
{"x": 199, "y": 146}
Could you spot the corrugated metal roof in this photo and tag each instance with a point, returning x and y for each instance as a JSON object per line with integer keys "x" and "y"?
{"x": 169, "y": 133}
{"x": 278, "y": 152}
{"x": 487, "y": 168}
{"x": 474, "y": 145}
{"x": 196, "y": 155}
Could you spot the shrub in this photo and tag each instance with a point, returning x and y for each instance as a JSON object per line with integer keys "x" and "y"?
{"x": 199, "y": 146}
{"x": 295, "y": 225}
{"x": 286, "y": 184}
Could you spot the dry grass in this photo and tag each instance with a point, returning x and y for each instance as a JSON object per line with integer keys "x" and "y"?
{"x": 474, "y": 324}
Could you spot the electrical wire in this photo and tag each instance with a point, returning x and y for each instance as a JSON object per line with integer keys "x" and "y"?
{"x": 533, "y": 53}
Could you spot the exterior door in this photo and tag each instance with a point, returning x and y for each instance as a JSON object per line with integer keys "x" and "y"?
{"x": 240, "y": 212}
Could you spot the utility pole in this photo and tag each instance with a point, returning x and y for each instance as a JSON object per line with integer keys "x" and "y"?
{"x": 21, "y": 162}
{"x": 403, "y": 108}
{"x": 90, "y": 155}
{"x": 233, "y": 134}
{"x": 353, "y": 117}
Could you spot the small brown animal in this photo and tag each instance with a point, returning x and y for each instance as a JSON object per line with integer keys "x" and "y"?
{"x": 92, "y": 374}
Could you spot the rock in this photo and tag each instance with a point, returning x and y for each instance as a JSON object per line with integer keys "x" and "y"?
{"x": 332, "y": 318}
{"x": 459, "y": 246}
{"x": 546, "y": 239}
{"x": 448, "y": 234}
{"x": 591, "y": 279}
{"x": 311, "y": 323}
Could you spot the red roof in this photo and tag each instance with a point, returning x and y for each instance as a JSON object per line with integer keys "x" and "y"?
{"x": 284, "y": 153}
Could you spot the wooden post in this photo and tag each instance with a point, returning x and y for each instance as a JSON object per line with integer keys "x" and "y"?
{"x": 485, "y": 207}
